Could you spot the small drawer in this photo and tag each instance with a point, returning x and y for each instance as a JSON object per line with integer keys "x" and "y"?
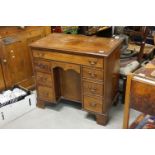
{"x": 93, "y": 104}
{"x": 45, "y": 93}
{"x": 70, "y": 58}
{"x": 44, "y": 79}
{"x": 41, "y": 65}
{"x": 92, "y": 88}
{"x": 94, "y": 62}
{"x": 92, "y": 73}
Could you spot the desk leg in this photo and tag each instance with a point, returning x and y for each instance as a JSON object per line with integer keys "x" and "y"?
{"x": 102, "y": 119}
{"x": 40, "y": 104}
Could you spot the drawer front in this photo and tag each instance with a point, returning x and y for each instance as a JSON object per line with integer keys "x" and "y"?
{"x": 45, "y": 93}
{"x": 44, "y": 79}
{"x": 93, "y": 104}
{"x": 70, "y": 58}
{"x": 41, "y": 65}
{"x": 92, "y": 88}
{"x": 92, "y": 73}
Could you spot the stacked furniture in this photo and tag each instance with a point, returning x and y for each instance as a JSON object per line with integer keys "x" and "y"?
{"x": 15, "y": 57}
{"x": 140, "y": 94}
{"x": 136, "y": 53}
{"x": 78, "y": 68}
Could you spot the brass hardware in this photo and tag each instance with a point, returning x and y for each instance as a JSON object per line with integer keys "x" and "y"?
{"x": 92, "y": 62}
{"x": 4, "y": 60}
{"x": 43, "y": 79}
{"x": 93, "y": 104}
{"x": 46, "y": 94}
{"x": 40, "y": 54}
{"x": 93, "y": 90}
{"x": 11, "y": 51}
{"x": 92, "y": 74}
{"x": 13, "y": 56}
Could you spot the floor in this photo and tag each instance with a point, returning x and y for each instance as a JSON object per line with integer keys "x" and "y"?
{"x": 66, "y": 115}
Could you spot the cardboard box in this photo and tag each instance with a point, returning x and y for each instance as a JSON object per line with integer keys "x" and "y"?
{"x": 17, "y": 109}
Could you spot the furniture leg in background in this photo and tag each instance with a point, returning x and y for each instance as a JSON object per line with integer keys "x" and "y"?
{"x": 127, "y": 102}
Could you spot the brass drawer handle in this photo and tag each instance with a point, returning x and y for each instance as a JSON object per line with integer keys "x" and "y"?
{"x": 46, "y": 94}
{"x": 93, "y": 104}
{"x": 4, "y": 61}
{"x": 93, "y": 90}
{"x": 40, "y": 54}
{"x": 11, "y": 51}
{"x": 43, "y": 79}
{"x": 92, "y": 74}
{"x": 92, "y": 62}
{"x": 43, "y": 66}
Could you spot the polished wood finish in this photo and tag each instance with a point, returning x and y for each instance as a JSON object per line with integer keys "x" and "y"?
{"x": 93, "y": 88}
{"x": 15, "y": 54}
{"x": 127, "y": 102}
{"x": 81, "y": 68}
{"x": 78, "y": 44}
{"x": 140, "y": 92}
{"x": 77, "y": 59}
{"x": 45, "y": 93}
{"x": 44, "y": 79}
{"x": 102, "y": 119}
{"x": 42, "y": 65}
{"x": 93, "y": 104}
{"x": 143, "y": 98}
{"x": 11, "y": 30}
{"x": 94, "y": 74}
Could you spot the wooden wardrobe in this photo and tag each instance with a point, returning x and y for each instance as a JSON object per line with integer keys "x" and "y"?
{"x": 15, "y": 57}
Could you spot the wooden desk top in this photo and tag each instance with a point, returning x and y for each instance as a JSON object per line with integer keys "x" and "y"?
{"x": 78, "y": 44}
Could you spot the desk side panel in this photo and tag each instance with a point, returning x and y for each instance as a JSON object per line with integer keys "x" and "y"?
{"x": 111, "y": 76}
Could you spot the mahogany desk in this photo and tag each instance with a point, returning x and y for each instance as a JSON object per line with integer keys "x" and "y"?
{"x": 77, "y": 68}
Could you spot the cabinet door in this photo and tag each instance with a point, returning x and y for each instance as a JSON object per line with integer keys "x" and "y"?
{"x": 2, "y": 84}
{"x": 16, "y": 57}
{"x": 17, "y": 64}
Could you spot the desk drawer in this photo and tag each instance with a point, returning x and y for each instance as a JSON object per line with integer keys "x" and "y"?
{"x": 92, "y": 88}
{"x": 93, "y": 104}
{"x": 70, "y": 58}
{"x": 44, "y": 79}
{"x": 41, "y": 65}
{"x": 92, "y": 73}
{"x": 45, "y": 93}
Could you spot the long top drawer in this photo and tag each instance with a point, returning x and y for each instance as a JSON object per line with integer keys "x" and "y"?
{"x": 77, "y": 59}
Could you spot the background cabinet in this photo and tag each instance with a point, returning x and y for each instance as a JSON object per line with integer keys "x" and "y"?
{"x": 15, "y": 55}
{"x": 2, "y": 84}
